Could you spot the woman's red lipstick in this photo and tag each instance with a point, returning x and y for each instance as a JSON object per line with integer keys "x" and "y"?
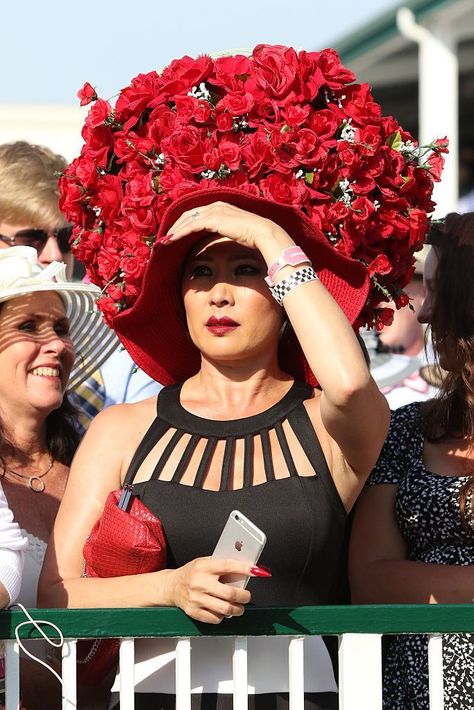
{"x": 221, "y": 326}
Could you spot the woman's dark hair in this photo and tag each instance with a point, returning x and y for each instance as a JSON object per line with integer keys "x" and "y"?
{"x": 451, "y": 413}
{"x": 61, "y": 435}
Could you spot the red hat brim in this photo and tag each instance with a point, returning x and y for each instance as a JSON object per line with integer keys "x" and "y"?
{"x": 154, "y": 330}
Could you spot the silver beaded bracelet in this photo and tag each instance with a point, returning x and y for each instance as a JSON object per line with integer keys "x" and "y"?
{"x": 283, "y": 287}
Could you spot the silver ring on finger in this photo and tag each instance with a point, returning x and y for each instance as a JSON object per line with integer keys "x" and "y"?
{"x": 195, "y": 214}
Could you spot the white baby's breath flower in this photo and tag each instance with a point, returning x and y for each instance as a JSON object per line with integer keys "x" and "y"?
{"x": 200, "y": 92}
{"x": 347, "y": 192}
{"x": 348, "y": 132}
{"x": 409, "y": 148}
{"x": 239, "y": 123}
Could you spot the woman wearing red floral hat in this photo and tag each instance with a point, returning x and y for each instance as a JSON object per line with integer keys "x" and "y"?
{"x": 242, "y": 219}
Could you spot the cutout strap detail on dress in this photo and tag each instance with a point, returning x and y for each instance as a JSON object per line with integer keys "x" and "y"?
{"x": 266, "y": 430}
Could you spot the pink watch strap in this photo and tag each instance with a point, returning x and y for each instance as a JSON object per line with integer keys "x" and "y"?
{"x": 291, "y": 256}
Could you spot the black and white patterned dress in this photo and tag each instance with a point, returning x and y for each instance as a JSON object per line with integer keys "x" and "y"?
{"x": 428, "y": 515}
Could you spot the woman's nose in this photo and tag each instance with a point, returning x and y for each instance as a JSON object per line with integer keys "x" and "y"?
{"x": 424, "y": 314}
{"x": 221, "y": 294}
{"x": 55, "y": 344}
{"x": 50, "y": 252}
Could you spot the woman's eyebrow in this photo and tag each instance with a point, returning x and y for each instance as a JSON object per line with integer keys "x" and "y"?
{"x": 234, "y": 257}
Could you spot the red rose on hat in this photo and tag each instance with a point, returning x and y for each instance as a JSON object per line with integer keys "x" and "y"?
{"x": 86, "y": 94}
{"x": 277, "y": 71}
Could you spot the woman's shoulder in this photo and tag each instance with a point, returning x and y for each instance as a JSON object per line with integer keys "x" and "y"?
{"x": 126, "y": 417}
{"x": 404, "y": 419}
{"x": 403, "y": 446}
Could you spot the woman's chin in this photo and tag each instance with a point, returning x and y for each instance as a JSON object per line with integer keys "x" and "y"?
{"x": 47, "y": 404}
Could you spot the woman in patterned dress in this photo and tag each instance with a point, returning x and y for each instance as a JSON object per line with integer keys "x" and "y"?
{"x": 413, "y": 534}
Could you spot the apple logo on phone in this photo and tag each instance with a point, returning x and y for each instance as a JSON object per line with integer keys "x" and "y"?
{"x": 238, "y": 545}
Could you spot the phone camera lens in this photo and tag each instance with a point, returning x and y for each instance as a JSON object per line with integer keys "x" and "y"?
{"x": 237, "y": 517}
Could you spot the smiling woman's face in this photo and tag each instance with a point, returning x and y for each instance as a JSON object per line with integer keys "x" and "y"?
{"x": 36, "y": 353}
{"x": 230, "y": 313}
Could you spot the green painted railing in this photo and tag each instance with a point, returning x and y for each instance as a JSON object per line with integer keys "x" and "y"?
{"x": 330, "y": 620}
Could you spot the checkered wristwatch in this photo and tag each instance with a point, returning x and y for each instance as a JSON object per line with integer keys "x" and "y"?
{"x": 283, "y": 287}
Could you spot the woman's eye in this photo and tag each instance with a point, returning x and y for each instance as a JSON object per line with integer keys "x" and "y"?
{"x": 247, "y": 270}
{"x": 62, "y": 329}
{"x": 28, "y": 326}
{"x": 199, "y": 270}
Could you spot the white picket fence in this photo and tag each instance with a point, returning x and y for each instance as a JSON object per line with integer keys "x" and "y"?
{"x": 360, "y": 653}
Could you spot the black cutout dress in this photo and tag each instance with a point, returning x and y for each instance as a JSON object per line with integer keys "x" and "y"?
{"x": 302, "y": 515}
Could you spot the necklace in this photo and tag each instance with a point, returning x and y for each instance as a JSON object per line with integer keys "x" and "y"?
{"x": 35, "y": 483}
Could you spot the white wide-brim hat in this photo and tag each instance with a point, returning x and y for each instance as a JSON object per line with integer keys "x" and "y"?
{"x": 93, "y": 340}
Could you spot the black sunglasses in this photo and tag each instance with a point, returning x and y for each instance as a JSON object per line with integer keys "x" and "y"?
{"x": 37, "y": 238}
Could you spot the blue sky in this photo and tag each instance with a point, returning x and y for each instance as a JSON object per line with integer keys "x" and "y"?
{"x": 50, "y": 48}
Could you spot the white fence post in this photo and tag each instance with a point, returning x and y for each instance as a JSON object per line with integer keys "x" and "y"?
{"x": 183, "y": 674}
{"x": 296, "y": 673}
{"x": 69, "y": 675}
{"x": 12, "y": 675}
{"x": 127, "y": 673}
{"x": 435, "y": 671}
{"x": 239, "y": 673}
{"x": 360, "y": 672}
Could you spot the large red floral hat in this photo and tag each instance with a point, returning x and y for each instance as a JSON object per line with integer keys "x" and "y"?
{"x": 290, "y": 127}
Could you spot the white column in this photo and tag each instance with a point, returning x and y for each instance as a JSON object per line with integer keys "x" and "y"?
{"x": 438, "y": 98}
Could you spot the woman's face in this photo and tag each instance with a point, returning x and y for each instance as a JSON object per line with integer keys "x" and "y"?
{"x": 36, "y": 353}
{"x": 230, "y": 312}
{"x": 446, "y": 349}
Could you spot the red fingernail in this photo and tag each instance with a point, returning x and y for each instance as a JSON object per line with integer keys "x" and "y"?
{"x": 166, "y": 238}
{"x": 260, "y": 572}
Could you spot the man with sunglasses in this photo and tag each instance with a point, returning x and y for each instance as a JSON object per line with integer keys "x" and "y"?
{"x": 30, "y": 215}
{"x": 51, "y": 245}
{"x": 29, "y": 212}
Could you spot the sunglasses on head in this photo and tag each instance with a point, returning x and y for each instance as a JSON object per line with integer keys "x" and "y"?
{"x": 37, "y": 238}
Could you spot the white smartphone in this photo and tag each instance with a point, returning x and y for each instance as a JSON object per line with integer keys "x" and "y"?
{"x": 240, "y": 540}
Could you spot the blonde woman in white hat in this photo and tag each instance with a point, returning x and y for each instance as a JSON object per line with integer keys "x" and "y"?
{"x": 44, "y": 319}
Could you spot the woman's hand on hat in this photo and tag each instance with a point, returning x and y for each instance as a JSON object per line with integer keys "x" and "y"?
{"x": 197, "y": 590}
{"x": 244, "y": 227}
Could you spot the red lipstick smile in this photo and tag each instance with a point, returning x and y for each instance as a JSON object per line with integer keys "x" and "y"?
{"x": 221, "y": 326}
